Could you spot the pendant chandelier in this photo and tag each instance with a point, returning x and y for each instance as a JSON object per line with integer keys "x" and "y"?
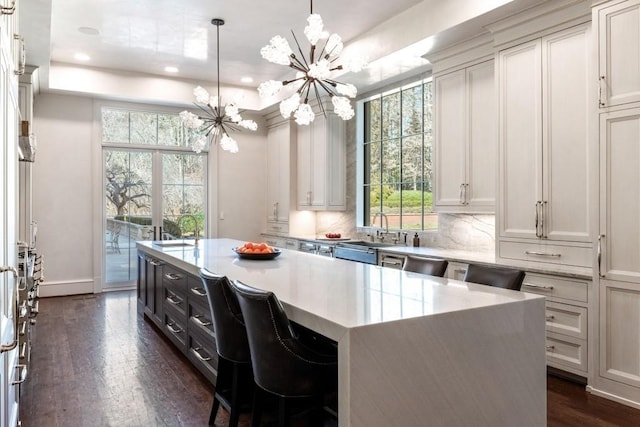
{"x": 215, "y": 119}
{"x": 313, "y": 73}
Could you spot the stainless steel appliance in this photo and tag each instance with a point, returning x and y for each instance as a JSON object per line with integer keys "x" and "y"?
{"x": 359, "y": 251}
{"x": 317, "y": 248}
{"x": 31, "y": 274}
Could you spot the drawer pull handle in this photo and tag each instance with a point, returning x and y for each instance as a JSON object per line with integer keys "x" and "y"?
{"x": 23, "y": 329}
{"x": 22, "y": 310}
{"x": 171, "y": 326}
{"x": 542, "y": 254}
{"x": 154, "y": 262}
{"x": 174, "y": 300}
{"x": 23, "y": 374}
{"x": 199, "y": 291}
{"x": 172, "y": 276}
{"x": 549, "y": 318}
{"x": 23, "y": 350}
{"x": 196, "y": 351}
{"x": 196, "y": 319}
{"x": 550, "y": 348}
{"x": 540, "y": 287}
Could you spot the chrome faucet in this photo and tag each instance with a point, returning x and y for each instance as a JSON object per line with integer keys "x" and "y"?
{"x": 195, "y": 221}
{"x": 379, "y": 233}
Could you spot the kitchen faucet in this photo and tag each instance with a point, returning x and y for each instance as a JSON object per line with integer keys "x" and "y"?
{"x": 386, "y": 222}
{"x": 195, "y": 221}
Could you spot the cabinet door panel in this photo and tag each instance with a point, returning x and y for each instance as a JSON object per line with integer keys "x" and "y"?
{"x": 278, "y": 172}
{"x": 318, "y": 162}
{"x": 619, "y": 45}
{"x": 620, "y": 332}
{"x": 620, "y": 199}
{"x": 450, "y": 125}
{"x": 567, "y": 187}
{"x": 482, "y": 136}
{"x": 304, "y": 153}
{"x": 520, "y": 139}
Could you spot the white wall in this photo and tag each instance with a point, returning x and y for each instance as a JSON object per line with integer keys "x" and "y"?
{"x": 241, "y": 183}
{"x": 64, "y": 186}
{"x": 62, "y": 192}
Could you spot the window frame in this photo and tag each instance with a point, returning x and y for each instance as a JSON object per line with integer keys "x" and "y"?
{"x": 360, "y": 151}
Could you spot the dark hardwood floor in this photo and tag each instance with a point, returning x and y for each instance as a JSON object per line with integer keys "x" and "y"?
{"x": 97, "y": 363}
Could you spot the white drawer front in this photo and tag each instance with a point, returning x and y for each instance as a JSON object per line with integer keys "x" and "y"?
{"x": 566, "y": 319}
{"x": 547, "y": 253}
{"x": 557, "y": 287}
{"x": 277, "y": 227}
{"x": 564, "y": 351}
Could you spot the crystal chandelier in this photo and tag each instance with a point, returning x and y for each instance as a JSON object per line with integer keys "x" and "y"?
{"x": 313, "y": 73}
{"x": 214, "y": 118}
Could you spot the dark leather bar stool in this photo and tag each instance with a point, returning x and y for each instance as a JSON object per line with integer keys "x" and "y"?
{"x": 500, "y": 277}
{"x": 284, "y": 367}
{"x": 234, "y": 384}
{"x": 430, "y": 266}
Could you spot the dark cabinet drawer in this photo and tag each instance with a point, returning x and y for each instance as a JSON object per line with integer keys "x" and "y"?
{"x": 175, "y": 328}
{"x": 201, "y": 351}
{"x": 175, "y": 297}
{"x": 173, "y": 276}
{"x": 200, "y": 318}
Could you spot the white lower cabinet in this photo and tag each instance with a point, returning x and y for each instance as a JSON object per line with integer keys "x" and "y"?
{"x": 281, "y": 242}
{"x": 566, "y": 319}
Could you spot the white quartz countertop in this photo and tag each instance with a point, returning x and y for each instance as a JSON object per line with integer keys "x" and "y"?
{"x": 331, "y": 295}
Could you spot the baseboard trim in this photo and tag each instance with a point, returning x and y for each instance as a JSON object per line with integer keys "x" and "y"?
{"x": 59, "y": 289}
{"x": 613, "y": 397}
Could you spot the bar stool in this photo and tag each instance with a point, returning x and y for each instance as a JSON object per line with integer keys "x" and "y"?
{"x": 430, "y": 266}
{"x": 234, "y": 382}
{"x": 500, "y": 277}
{"x": 284, "y": 367}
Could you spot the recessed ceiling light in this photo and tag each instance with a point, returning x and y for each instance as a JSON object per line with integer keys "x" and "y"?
{"x": 246, "y": 80}
{"x": 90, "y": 31}
{"x": 171, "y": 69}
{"x": 82, "y": 56}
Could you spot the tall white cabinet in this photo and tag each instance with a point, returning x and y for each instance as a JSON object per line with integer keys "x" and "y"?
{"x": 11, "y": 372}
{"x": 617, "y": 273}
{"x": 546, "y": 154}
{"x": 465, "y": 139}
{"x": 280, "y": 168}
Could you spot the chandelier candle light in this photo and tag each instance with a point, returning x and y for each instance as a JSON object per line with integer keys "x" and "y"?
{"x": 215, "y": 118}
{"x": 312, "y": 73}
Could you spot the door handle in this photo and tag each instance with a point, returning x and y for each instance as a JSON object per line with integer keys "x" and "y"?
{"x": 600, "y": 274}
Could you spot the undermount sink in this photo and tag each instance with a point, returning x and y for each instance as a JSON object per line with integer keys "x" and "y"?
{"x": 173, "y": 243}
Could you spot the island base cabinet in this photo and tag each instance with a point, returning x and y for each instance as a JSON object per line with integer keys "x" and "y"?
{"x": 149, "y": 288}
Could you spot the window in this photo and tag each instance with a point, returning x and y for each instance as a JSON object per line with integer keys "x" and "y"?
{"x": 397, "y": 132}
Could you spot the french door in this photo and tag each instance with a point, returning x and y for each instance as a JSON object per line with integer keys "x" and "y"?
{"x": 149, "y": 194}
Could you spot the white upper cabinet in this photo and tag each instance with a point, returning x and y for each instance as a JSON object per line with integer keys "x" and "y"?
{"x": 619, "y": 52}
{"x": 547, "y": 154}
{"x": 321, "y": 164}
{"x": 465, "y": 140}
{"x": 279, "y": 141}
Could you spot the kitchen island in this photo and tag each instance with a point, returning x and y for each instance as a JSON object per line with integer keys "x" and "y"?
{"x": 413, "y": 350}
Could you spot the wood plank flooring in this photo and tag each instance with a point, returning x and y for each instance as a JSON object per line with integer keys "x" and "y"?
{"x": 97, "y": 363}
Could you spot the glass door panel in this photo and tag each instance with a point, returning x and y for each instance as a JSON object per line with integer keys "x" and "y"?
{"x": 183, "y": 195}
{"x": 128, "y": 211}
